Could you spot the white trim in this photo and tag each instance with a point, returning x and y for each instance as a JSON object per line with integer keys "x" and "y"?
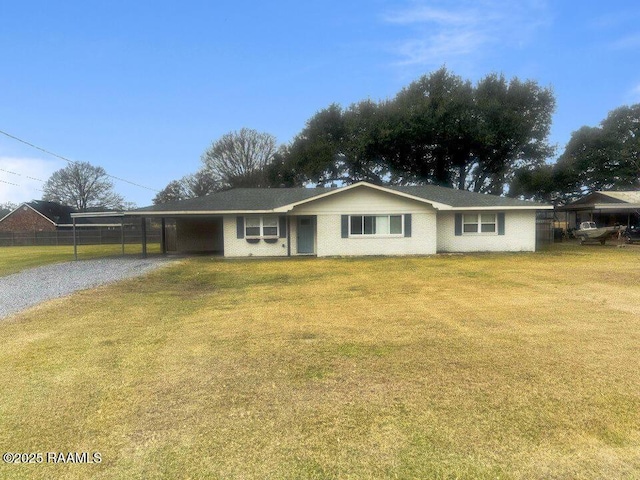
{"x": 616, "y": 206}
{"x": 27, "y": 205}
{"x": 500, "y": 209}
{"x": 479, "y": 224}
{"x": 194, "y": 212}
{"x": 96, "y": 214}
{"x": 377, "y": 235}
{"x": 262, "y": 235}
{"x": 88, "y": 225}
{"x": 437, "y": 205}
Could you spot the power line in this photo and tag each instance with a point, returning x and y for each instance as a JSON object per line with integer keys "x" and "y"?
{"x": 21, "y": 175}
{"x": 9, "y": 183}
{"x": 72, "y": 161}
{"x": 17, "y": 185}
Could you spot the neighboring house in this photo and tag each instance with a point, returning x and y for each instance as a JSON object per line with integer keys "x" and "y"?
{"x": 360, "y": 219}
{"x": 604, "y": 208}
{"x": 43, "y": 216}
{"x": 36, "y": 216}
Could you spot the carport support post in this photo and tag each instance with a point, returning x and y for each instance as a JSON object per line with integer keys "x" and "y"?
{"x": 75, "y": 244}
{"x": 144, "y": 237}
{"x": 163, "y": 237}
{"x": 288, "y": 236}
{"x": 122, "y": 233}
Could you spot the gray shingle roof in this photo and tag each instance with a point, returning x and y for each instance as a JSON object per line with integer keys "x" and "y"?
{"x": 240, "y": 199}
{"x": 461, "y": 198}
{"x": 252, "y": 199}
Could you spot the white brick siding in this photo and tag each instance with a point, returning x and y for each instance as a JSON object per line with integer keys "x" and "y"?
{"x": 421, "y": 242}
{"x": 239, "y": 247}
{"x": 520, "y": 234}
{"x": 431, "y": 230}
{"x": 367, "y": 201}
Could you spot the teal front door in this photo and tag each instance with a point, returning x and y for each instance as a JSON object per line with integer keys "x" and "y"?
{"x": 306, "y": 235}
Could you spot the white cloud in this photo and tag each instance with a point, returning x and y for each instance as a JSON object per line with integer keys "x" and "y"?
{"x": 21, "y": 179}
{"x": 436, "y": 33}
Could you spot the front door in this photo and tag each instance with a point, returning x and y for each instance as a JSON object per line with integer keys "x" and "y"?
{"x": 306, "y": 235}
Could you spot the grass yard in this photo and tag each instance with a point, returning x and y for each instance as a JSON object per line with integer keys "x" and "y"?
{"x": 15, "y": 259}
{"x": 523, "y": 366}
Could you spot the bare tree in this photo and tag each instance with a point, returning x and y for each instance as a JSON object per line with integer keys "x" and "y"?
{"x": 240, "y": 159}
{"x": 198, "y": 184}
{"x": 82, "y": 186}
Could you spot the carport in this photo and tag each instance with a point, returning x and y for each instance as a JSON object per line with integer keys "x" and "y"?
{"x": 193, "y": 234}
{"x": 604, "y": 208}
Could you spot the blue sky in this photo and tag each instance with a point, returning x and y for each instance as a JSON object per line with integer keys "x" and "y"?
{"x": 142, "y": 88}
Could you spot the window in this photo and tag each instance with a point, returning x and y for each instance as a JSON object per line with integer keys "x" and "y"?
{"x": 375, "y": 225}
{"x": 261, "y": 227}
{"x": 479, "y": 223}
{"x": 252, "y": 227}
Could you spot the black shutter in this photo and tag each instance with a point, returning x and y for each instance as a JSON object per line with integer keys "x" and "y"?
{"x": 283, "y": 227}
{"x": 345, "y": 226}
{"x": 501, "y": 223}
{"x": 407, "y": 225}
{"x": 458, "y": 228}
{"x": 240, "y": 227}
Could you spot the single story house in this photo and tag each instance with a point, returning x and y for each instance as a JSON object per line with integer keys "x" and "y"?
{"x": 604, "y": 208}
{"x": 44, "y": 216}
{"x": 359, "y": 219}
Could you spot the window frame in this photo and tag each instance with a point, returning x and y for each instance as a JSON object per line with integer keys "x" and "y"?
{"x": 374, "y": 234}
{"x": 262, "y": 226}
{"x": 479, "y": 223}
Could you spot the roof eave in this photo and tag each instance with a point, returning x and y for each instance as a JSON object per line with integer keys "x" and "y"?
{"x": 171, "y": 213}
{"x": 96, "y": 214}
{"x": 504, "y": 207}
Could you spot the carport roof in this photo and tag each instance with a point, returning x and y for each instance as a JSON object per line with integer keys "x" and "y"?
{"x": 239, "y": 199}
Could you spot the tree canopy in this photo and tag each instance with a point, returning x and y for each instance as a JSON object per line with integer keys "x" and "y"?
{"x": 240, "y": 159}
{"x": 82, "y": 186}
{"x": 606, "y": 157}
{"x": 440, "y": 129}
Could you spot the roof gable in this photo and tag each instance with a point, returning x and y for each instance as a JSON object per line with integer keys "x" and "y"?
{"x": 52, "y": 211}
{"x": 600, "y": 197}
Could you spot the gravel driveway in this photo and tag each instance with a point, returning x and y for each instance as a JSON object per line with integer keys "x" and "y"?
{"x": 30, "y": 287}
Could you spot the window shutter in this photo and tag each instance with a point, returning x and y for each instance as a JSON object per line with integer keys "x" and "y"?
{"x": 240, "y": 227}
{"x": 345, "y": 226}
{"x": 407, "y": 225}
{"x": 283, "y": 227}
{"x": 458, "y": 228}
{"x": 501, "y": 223}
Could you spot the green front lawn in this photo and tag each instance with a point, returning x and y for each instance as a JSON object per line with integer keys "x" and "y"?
{"x": 464, "y": 366}
{"x": 16, "y": 259}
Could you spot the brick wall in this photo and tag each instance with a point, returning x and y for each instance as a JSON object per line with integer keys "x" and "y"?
{"x": 520, "y": 234}
{"x": 25, "y": 219}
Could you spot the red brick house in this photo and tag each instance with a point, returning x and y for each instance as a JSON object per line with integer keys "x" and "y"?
{"x": 37, "y": 216}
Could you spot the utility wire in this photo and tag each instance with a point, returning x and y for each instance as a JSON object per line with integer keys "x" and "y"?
{"x": 16, "y": 185}
{"x": 9, "y": 183}
{"x": 21, "y": 175}
{"x": 71, "y": 161}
